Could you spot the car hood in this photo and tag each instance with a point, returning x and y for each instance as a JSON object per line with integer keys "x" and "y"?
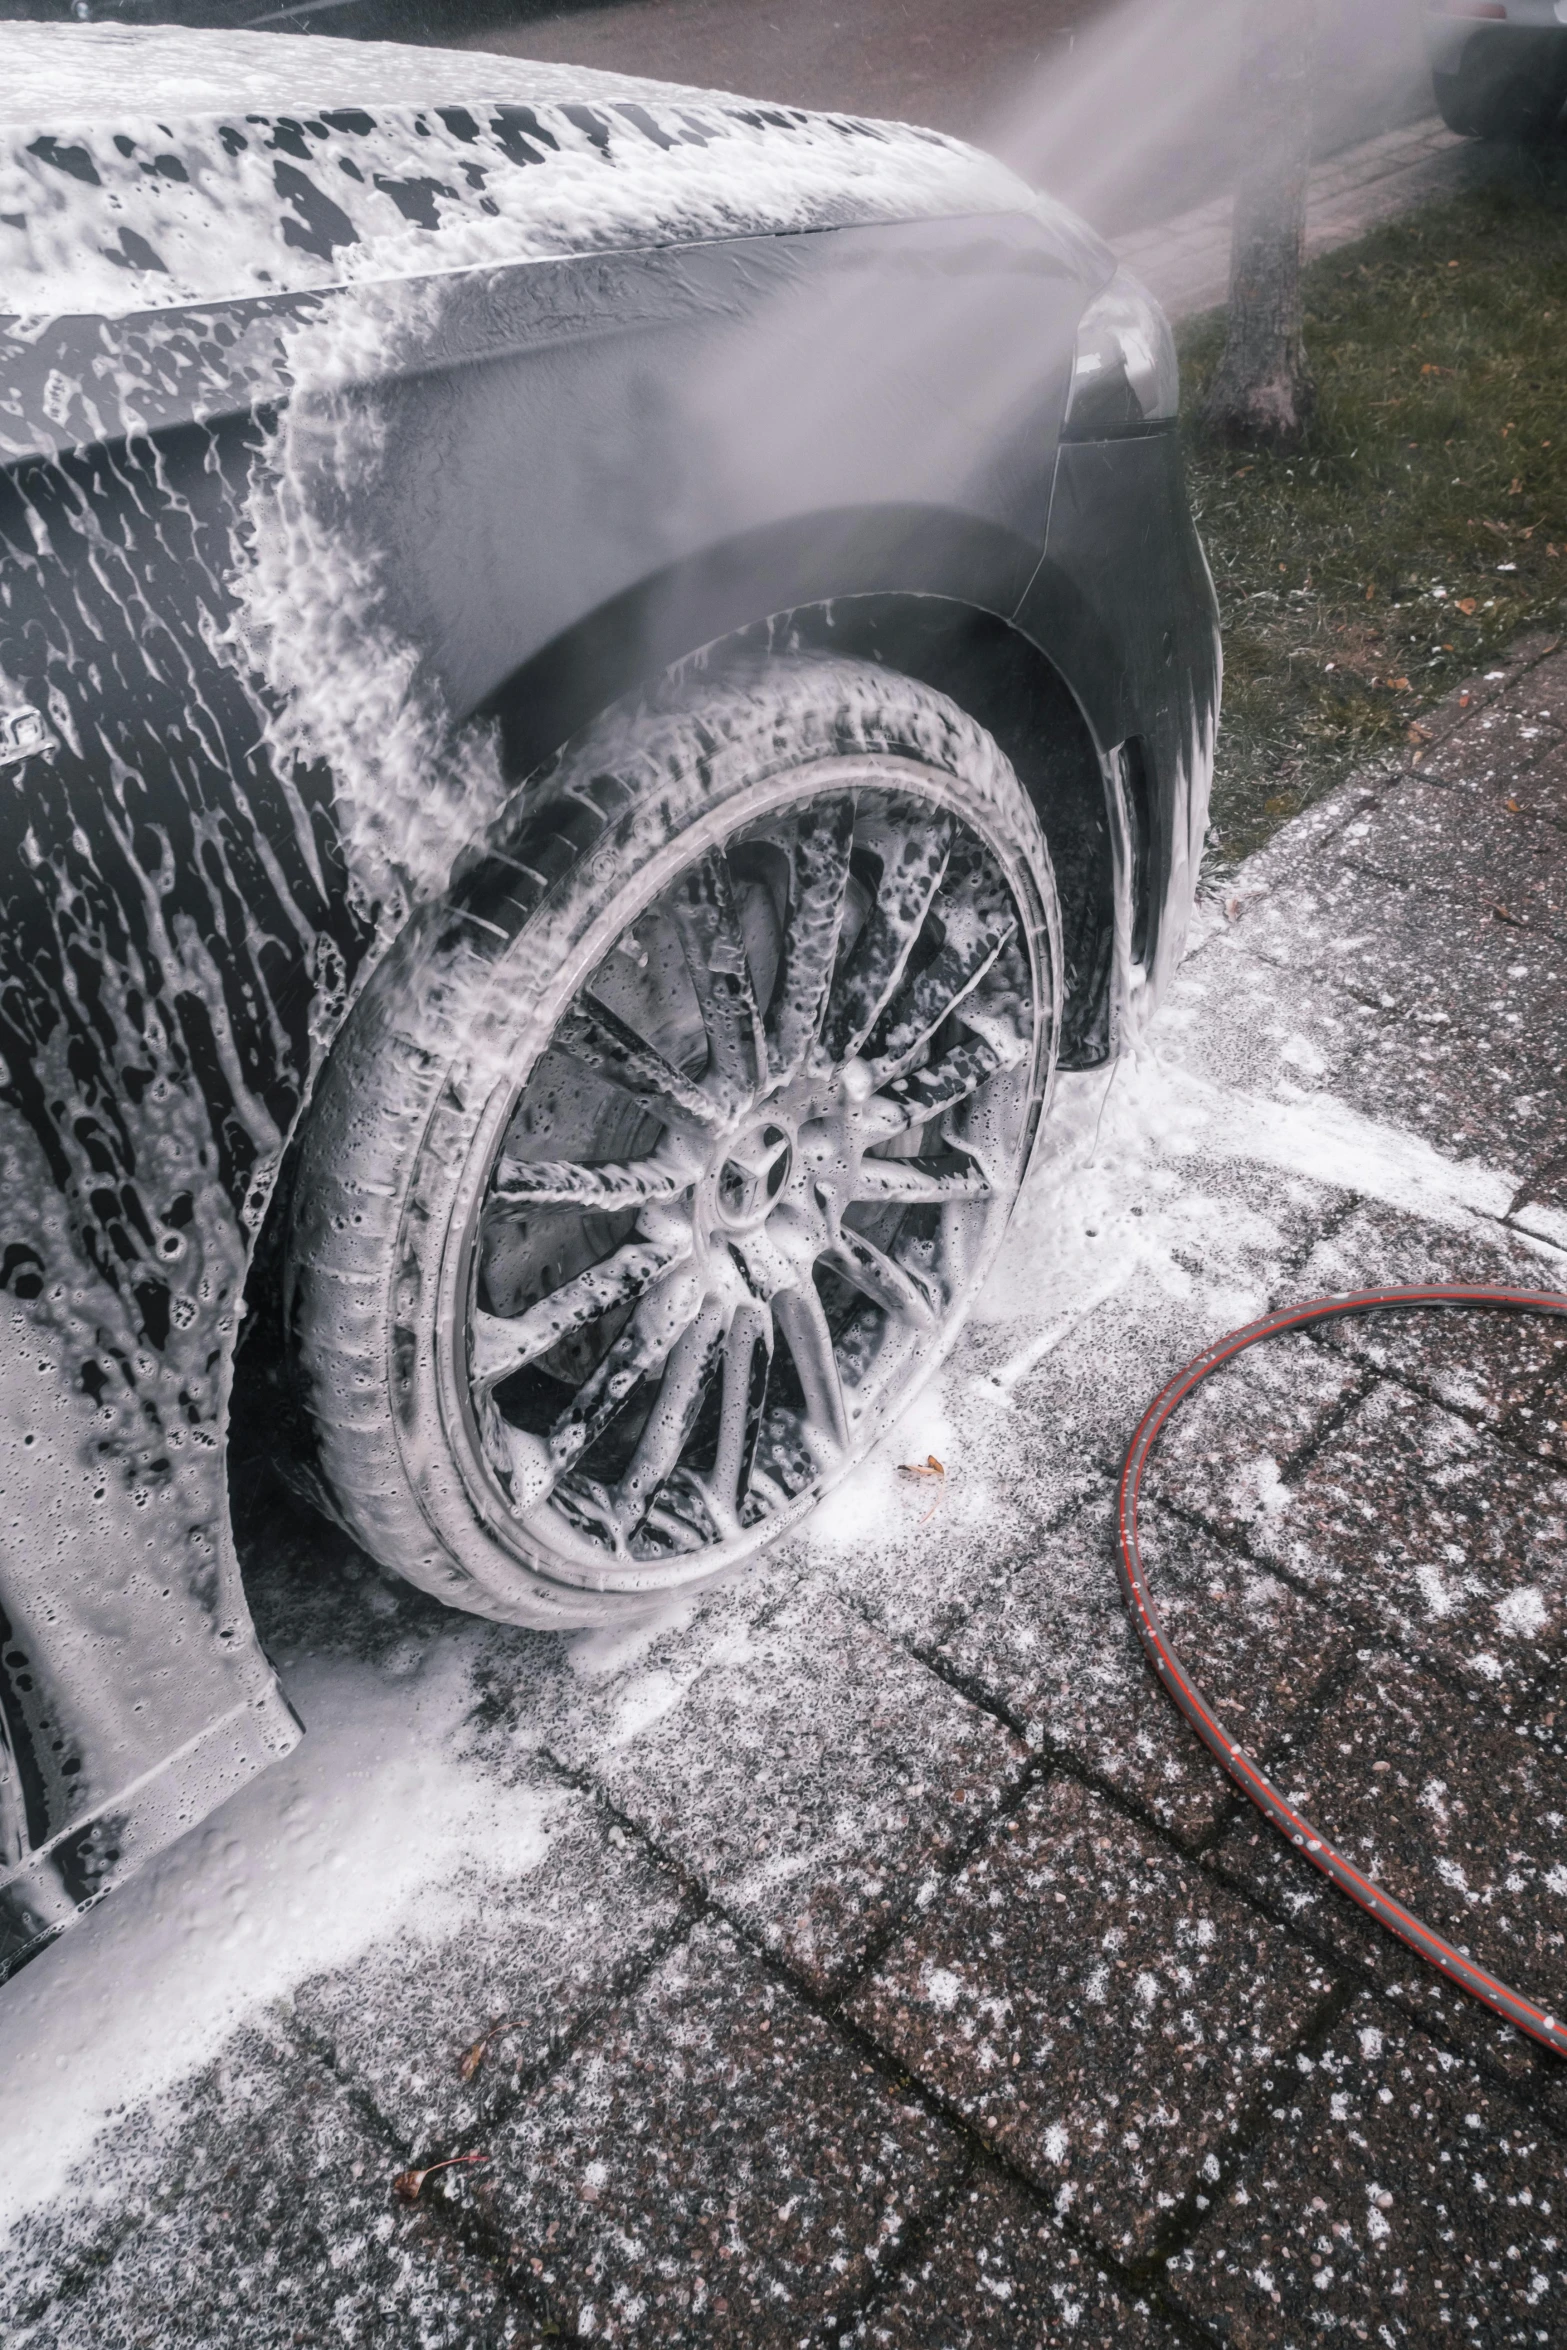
{"x": 146, "y": 168}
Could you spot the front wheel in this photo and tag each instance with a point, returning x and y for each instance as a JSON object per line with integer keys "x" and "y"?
{"x": 659, "y": 1164}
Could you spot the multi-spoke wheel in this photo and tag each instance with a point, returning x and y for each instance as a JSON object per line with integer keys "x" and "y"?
{"x": 661, "y": 1162}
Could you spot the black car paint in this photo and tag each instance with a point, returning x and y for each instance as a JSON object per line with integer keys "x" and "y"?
{"x": 183, "y": 928}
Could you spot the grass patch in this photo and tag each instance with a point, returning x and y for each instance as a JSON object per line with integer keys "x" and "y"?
{"x": 1425, "y": 522}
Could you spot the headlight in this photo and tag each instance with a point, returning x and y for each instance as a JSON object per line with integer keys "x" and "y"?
{"x": 1124, "y": 375}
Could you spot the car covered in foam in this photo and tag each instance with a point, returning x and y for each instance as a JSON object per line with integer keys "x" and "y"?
{"x": 598, "y": 682}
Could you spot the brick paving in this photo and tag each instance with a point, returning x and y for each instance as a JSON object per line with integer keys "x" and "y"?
{"x": 1102, "y": 2017}
{"x": 1399, "y": 2198}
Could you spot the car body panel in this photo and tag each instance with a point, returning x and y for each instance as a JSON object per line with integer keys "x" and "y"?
{"x": 1124, "y": 603}
{"x": 272, "y": 561}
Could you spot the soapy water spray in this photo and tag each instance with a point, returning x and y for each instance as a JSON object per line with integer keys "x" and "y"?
{"x": 1379, "y": 1904}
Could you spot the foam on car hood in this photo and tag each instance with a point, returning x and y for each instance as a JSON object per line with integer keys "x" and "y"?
{"x": 143, "y": 168}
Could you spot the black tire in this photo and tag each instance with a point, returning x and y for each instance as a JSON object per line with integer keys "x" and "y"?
{"x": 385, "y": 1272}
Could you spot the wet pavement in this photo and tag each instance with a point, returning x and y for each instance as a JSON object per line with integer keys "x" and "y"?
{"x": 869, "y": 1954}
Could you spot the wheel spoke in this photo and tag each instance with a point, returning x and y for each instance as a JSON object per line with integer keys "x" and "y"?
{"x": 600, "y": 1040}
{"x": 823, "y": 838}
{"x": 767, "y": 1268}
{"x": 641, "y": 1347}
{"x": 991, "y": 1013}
{"x": 708, "y": 921}
{"x": 918, "y": 1097}
{"x": 978, "y": 923}
{"x": 521, "y": 1184}
{"x": 748, "y": 1355}
{"x": 691, "y": 1364}
{"x": 913, "y": 1184}
{"x": 502, "y": 1344}
{"x": 875, "y": 964}
{"x": 888, "y": 1285}
{"x": 801, "y": 1317}
{"x": 671, "y": 1527}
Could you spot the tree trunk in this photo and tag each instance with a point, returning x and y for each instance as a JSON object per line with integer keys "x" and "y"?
{"x": 1262, "y": 391}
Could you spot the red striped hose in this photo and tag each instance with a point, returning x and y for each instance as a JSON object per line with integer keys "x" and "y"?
{"x": 1269, "y": 1800}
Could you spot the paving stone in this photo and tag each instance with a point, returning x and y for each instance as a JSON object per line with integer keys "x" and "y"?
{"x": 1481, "y": 1067}
{"x": 1498, "y": 742}
{"x": 1541, "y": 787}
{"x": 1429, "y": 1532}
{"x": 1095, "y": 2008}
{"x": 1492, "y": 689}
{"x": 265, "y": 2218}
{"x": 1459, "y": 1816}
{"x": 1208, "y": 1243}
{"x": 1052, "y": 1643}
{"x": 1524, "y": 689}
{"x": 810, "y": 1777}
{"x": 934, "y": 1548}
{"x": 999, "y": 2273}
{"x": 1400, "y": 2200}
{"x": 549, "y": 1695}
{"x": 531, "y": 1959}
{"x": 1222, "y": 1453}
{"x": 1541, "y": 1428}
{"x": 1256, "y": 1027}
{"x": 1459, "y": 845}
{"x": 1298, "y": 844}
{"x": 1477, "y": 1060}
{"x": 1484, "y": 1364}
{"x": 713, "y": 2163}
{"x": 1539, "y": 1213}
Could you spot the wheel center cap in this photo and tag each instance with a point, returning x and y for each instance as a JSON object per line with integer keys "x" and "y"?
{"x": 752, "y": 1176}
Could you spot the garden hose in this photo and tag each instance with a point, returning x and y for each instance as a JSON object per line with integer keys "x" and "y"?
{"x": 1369, "y": 1896}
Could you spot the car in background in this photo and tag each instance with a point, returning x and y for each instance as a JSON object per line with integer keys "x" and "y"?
{"x": 598, "y": 684}
{"x": 1499, "y": 67}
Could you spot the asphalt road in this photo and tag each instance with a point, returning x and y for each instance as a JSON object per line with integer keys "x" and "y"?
{"x": 1126, "y": 108}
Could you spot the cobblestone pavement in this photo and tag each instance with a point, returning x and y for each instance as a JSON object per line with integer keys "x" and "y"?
{"x": 869, "y": 1954}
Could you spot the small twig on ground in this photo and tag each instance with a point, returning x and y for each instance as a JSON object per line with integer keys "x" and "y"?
{"x": 928, "y": 1467}
{"x": 408, "y": 2183}
{"x": 473, "y": 2057}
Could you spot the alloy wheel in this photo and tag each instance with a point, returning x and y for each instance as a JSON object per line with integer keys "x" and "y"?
{"x": 748, "y": 1188}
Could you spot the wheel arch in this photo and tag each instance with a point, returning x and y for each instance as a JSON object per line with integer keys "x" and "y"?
{"x": 946, "y": 624}
{"x": 927, "y": 592}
